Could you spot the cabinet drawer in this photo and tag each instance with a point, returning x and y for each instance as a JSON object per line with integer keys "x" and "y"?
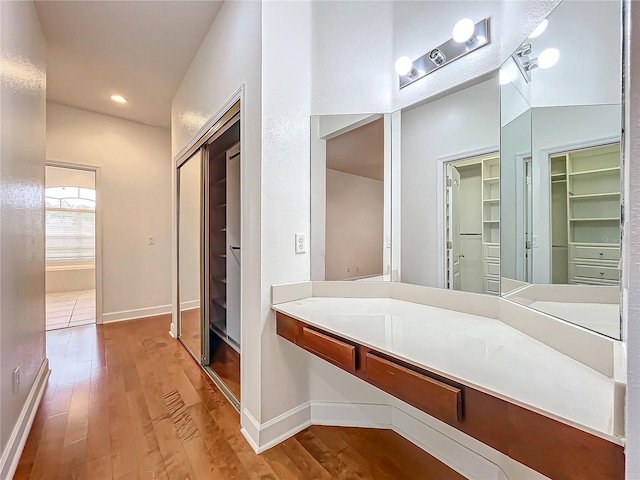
{"x": 288, "y": 327}
{"x": 491, "y": 269}
{"x": 594, "y": 271}
{"x": 492, "y": 286}
{"x": 331, "y": 349}
{"x": 595, "y": 253}
{"x": 429, "y": 395}
{"x": 491, "y": 252}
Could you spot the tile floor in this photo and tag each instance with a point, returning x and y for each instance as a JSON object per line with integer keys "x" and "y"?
{"x": 70, "y": 309}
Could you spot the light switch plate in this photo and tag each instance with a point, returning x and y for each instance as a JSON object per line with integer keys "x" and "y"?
{"x": 301, "y": 243}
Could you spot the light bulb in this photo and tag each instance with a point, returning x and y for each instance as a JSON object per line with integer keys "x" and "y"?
{"x": 539, "y": 29}
{"x": 119, "y": 99}
{"x": 463, "y": 30}
{"x": 505, "y": 78}
{"x": 548, "y": 58}
{"x": 404, "y": 66}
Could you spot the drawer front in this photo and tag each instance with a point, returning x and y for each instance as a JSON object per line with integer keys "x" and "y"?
{"x": 579, "y": 252}
{"x": 429, "y": 395}
{"x": 594, "y": 271}
{"x": 592, "y": 281}
{"x": 331, "y": 349}
{"x": 288, "y": 327}
{"x": 492, "y": 286}
{"x": 491, "y": 252}
{"x": 491, "y": 269}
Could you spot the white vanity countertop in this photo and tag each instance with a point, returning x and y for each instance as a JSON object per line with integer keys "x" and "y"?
{"x": 483, "y": 353}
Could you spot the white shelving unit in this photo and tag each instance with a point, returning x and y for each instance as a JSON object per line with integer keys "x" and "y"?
{"x": 593, "y": 214}
{"x": 491, "y": 224}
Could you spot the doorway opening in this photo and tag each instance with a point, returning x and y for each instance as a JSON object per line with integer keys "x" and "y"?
{"x": 209, "y": 253}
{"x": 472, "y": 218}
{"x": 70, "y": 246}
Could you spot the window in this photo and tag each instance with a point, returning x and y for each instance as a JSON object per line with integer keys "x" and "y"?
{"x": 70, "y": 224}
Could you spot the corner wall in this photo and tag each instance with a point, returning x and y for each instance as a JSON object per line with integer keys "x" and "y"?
{"x": 22, "y": 155}
{"x": 134, "y": 197}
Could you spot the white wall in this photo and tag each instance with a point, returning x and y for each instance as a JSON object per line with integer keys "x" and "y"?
{"x": 231, "y": 56}
{"x": 631, "y": 245}
{"x": 592, "y": 62}
{"x": 69, "y": 177}
{"x": 452, "y": 126}
{"x": 22, "y": 155}
{"x": 134, "y": 195}
{"x": 352, "y": 57}
{"x": 354, "y": 226}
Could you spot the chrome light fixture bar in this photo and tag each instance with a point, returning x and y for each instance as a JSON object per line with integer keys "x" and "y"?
{"x": 465, "y": 40}
{"x": 546, "y": 59}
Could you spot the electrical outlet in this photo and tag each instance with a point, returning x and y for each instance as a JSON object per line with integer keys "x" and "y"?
{"x": 16, "y": 380}
{"x": 151, "y": 240}
{"x": 357, "y": 269}
{"x": 301, "y": 243}
{"x": 348, "y": 269}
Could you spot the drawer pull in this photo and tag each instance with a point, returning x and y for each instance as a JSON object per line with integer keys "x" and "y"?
{"x": 601, "y": 273}
{"x": 330, "y": 349}
{"x": 425, "y": 393}
{"x": 601, "y": 253}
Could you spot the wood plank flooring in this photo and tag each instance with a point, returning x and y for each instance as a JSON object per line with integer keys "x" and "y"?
{"x": 126, "y": 401}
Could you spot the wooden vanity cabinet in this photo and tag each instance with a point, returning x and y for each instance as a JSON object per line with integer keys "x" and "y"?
{"x": 549, "y": 446}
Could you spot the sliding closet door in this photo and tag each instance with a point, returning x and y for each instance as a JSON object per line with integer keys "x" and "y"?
{"x": 190, "y": 231}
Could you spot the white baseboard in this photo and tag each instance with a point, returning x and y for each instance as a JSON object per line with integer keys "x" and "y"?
{"x": 136, "y": 313}
{"x": 262, "y": 437}
{"x": 18, "y": 438}
{"x": 462, "y": 458}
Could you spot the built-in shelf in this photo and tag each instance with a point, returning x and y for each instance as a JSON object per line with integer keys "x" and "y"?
{"x": 595, "y": 219}
{"x": 590, "y": 208}
{"x": 594, "y": 195}
{"x": 490, "y": 222}
{"x": 594, "y": 172}
{"x": 220, "y": 301}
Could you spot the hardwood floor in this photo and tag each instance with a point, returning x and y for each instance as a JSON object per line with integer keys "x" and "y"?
{"x": 126, "y": 401}
{"x": 225, "y": 361}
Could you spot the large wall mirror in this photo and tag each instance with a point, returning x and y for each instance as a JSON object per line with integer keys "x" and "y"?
{"x": 190, "y": 225}
{"x": 507, "y": 185}
{"x": 450, "y": 190}
{"x": 351, "y": 198}
{"x": 560, "y": 167}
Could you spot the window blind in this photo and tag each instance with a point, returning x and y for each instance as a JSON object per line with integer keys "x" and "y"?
{"x": 70, "y": 235}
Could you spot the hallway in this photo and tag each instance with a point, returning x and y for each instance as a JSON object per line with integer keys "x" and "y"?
{"x": 126, "y": 401}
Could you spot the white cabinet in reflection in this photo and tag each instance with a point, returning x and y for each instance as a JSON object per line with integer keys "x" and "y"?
{"x": 585, "y": 189}
{"x": 491, "y": 223}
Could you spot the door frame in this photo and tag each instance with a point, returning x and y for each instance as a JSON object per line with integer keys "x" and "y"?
{"x": 441, "y": 192}
{"x": 204, "y": 134}
{"x": 98, "y": 232}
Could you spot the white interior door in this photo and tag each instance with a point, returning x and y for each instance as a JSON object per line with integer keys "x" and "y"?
{"x": 452, "y": 206}
{"x": 233, "y": 242}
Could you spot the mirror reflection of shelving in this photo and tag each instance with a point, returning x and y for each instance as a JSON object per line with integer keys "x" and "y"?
{"x": 588, "y": 221}
{"x": 491, "y": 223}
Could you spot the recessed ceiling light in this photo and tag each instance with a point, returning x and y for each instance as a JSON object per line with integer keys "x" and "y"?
{"x": 119, "y": 99}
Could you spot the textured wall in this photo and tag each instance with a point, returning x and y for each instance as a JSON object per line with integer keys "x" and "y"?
{"x": 134, "y": 195}
{"x": 631, "y": 246}
{"x": 22, "y": 155}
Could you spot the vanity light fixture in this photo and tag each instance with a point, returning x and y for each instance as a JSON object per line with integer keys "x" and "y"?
{"x": 539, "y": 29}
{"x": 505, "y": 78}
{"x": 546, "y": 59}
{"x": 119, "y": 99}
{"x": 404, "y": 67}
{"x": 467, "y": 37}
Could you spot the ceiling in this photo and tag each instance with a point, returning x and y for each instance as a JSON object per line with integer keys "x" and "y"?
{"x": 359, "y": 151}
{"x": 138, "y": 49}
